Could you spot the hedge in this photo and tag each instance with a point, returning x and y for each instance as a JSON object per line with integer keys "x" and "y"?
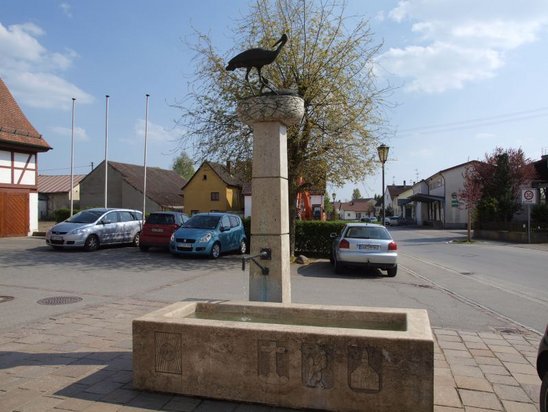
{"x": 63, "y": 214}
{"x": 312, "y": 238}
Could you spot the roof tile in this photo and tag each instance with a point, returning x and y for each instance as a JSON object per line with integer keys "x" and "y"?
{"x": 15, "y": 128}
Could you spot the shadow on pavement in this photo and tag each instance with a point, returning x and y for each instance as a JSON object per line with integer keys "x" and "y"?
{"x": 323, "y": 269}
{"x": 112, "y": 258}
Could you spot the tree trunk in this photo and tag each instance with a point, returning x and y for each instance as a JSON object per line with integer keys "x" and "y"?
{"x": 292, "y": 199}
{"x": 469, "y": 225}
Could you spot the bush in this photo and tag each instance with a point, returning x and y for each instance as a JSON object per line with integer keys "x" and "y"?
{"x": 539, "y": 213}
{"x": 62, "y": 214}
{"x": 312, "y": 238}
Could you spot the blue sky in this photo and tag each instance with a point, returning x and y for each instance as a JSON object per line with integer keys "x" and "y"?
{"x": 469, "y": 76}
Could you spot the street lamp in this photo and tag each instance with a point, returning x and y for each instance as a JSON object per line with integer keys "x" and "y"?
{"x": 382, "y": 150}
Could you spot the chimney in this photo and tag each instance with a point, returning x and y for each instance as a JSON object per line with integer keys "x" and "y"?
{"x": 229, "y": 166}
{"x": 404, "y": 183}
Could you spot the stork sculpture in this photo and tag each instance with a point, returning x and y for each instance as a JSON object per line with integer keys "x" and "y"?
{"x": 257, "y": 57}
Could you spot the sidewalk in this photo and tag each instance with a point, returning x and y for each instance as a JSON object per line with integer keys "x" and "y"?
{"x": 81, "y": 361}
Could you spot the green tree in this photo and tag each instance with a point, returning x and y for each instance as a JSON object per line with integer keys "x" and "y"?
{"x": 356, "y": 194}
{"x": 327, "y": 204}
{"x": 493, "y": 185}
{"x": 183, "y": 165}
{"x": 328, "y": 61}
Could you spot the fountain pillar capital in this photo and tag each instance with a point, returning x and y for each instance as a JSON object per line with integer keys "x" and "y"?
{"x": 284, "y": 108}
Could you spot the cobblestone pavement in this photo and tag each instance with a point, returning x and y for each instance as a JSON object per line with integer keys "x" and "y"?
{"x": 81, "y": 361}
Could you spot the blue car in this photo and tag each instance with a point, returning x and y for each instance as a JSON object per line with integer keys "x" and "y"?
{"x": 209, "y": 234}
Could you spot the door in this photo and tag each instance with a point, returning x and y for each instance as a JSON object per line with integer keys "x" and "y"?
{"x": 224, "y": 234}
{"x": 14, "y": 213}
{"x": 107, "y": 228}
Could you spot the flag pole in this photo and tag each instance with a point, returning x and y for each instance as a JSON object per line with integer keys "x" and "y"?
{"x": 106, "y": 151}
{"x": 72, "y": 161}
{"x": 145, "y": 159}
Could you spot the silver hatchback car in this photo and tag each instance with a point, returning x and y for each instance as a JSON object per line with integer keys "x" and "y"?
{"x": 364, "y": 244}
{"x": 92, "y": 228}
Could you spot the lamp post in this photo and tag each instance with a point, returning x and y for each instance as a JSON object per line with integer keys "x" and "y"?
{"x": 382, "y": 150}
{"x": 334, "y": 195}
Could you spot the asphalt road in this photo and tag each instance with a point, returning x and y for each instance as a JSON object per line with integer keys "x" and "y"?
{"x": 509, "y": 281}
{"x": 466, "y": 287}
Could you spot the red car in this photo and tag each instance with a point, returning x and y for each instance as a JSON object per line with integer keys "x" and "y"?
{"x": 158, "y": 228}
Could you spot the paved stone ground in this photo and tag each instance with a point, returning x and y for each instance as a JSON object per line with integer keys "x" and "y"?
{"x": 81, "y": 361}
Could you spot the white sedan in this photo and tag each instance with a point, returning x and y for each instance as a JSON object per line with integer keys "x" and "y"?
{"x": 364, "y": 244}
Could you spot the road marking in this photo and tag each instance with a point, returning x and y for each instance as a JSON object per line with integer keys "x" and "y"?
{"x": 499, "y": 285}
{"x": 469, "y": 301}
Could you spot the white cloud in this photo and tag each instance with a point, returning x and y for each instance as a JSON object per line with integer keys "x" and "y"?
{"x": 155, "y": 132}
{"x": 33, "y": 73}
{"x": 79, "y": 133}
{"x": 66, "y": 8}
{"x": 460, "y": 42}
{"x": 441, "y": 66}
{"x": 46, "y": 90}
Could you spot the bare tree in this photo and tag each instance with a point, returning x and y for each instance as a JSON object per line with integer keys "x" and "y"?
{"x": 328, "y": 61}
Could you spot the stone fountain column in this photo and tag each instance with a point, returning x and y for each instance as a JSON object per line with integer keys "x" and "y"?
{"x": 269, "y": 117}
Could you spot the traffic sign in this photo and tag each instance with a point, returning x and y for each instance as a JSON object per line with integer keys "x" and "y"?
{"x": 529, "y": 196}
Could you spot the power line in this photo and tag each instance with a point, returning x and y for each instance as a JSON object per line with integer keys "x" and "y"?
{"x": 477, "y": 122}
{"x": 64, "y": 168}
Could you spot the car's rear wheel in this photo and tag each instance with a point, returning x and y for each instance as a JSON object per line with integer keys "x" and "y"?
{"x": 215, "y": 250}
{"x": 92, "y": 243}
{"x": 544, "y": 394}
{"x": 243, "y": 247}
{"x": 391, "y": 272}
{"x": 136, "y": 239}
{"x": 337, "y": 266}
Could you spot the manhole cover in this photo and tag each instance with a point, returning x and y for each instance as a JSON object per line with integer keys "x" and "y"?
{"x": 5, "y": 298}
{"x": 59, "y": 300}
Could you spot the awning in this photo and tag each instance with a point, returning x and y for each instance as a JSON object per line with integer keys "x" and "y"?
{"x": 424, "y": 198}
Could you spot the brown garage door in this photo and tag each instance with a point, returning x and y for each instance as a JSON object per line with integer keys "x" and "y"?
{"x": 14, "y": 213}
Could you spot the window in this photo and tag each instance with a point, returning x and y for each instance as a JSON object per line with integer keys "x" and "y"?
{"x": 225, "y": 222}
{"x": 214, "y": 196}
{"x": 125, "y": 217}
{"x": 234, "y": 221}
{"x": 111, "y": 217}
{"x": 204, "y": 177}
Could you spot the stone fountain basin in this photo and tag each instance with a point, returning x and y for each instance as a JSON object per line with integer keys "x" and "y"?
{"x": 338, "y": 358}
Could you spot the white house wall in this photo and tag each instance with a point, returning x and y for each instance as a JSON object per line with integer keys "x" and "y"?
{"x": 455, "y": 214}
{"x": 421, "y": 209}
{"x": 247, "y": 206}
{"x": 17, "y": 168}
{"x": 33, "y": 213}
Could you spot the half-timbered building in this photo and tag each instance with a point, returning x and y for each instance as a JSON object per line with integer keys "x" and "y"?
{"x": 20, "y": 144}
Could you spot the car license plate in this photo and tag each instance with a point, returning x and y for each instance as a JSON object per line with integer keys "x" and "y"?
{"x": 53, "y": 237}
{"x": 368, "y": 247}
{"x": 157, "y": 230}
{"x": 184, "y": 244}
